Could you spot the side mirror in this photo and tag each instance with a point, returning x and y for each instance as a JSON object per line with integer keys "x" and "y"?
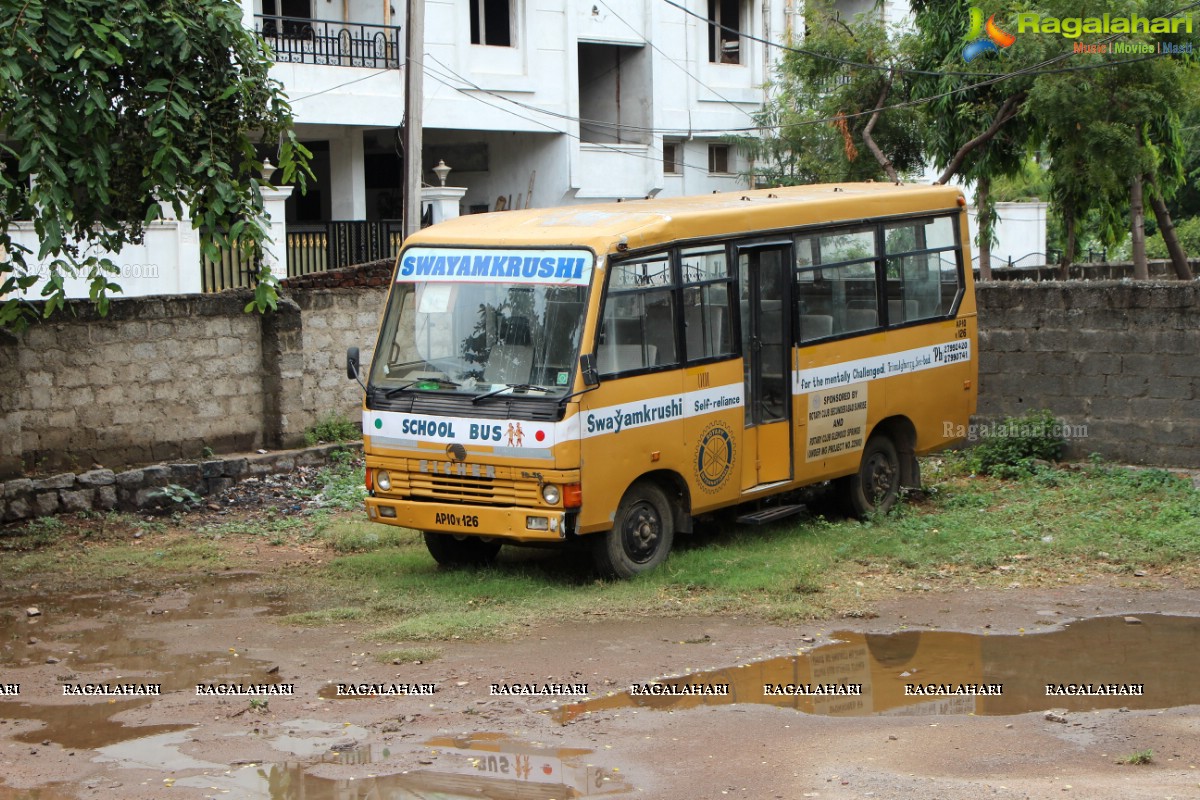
{"x": 587, "y": 368}
{"x": 352, "y": 365}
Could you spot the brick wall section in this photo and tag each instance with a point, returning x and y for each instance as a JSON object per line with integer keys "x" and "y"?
{"x": 335, "y": 319}
{"x": 162, "y": 378}
{"x": 1121, "y": 358}
{"x": 159, "y": 378}
{"x": 373, "y": 273}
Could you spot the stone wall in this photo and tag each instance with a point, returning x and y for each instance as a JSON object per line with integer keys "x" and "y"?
{"x": 1122, "y": 359}
{"x": 169, "y": 378}
{"x": 164, "y": 379}
{"x": 162, "y": 487}
{"x": 158, "y": 378}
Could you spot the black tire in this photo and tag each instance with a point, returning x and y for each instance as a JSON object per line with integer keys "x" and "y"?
{"x": 454, "y": 551}
{"x": 876, "y": 486}
{"x": 641, "y": 536}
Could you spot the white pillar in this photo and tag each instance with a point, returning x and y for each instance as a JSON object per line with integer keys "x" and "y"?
{"x": 275, "y": 251}
{"x": 189, "y": 260}
{"x": 347, "y": 176}
{"x": 444, "y": 199}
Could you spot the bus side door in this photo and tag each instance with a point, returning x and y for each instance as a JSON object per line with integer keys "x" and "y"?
{"x": 764, "y": 278}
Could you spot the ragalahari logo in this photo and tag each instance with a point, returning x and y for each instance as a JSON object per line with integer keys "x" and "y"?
{"x": 983, "y": 38}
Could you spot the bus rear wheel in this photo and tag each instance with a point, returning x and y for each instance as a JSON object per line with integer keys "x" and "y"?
{"x": 641, "y": 535}
{"x": 455, "y": 551}
{"x": 876, "y": 486}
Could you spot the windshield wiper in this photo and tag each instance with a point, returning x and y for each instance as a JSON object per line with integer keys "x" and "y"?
{"x": 515, "y": 387}
{"x": 390, "y": 393}
{"x": 442, "y": 383}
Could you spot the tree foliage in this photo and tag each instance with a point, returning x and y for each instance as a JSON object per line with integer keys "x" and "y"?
{"x": 978, "y": 120}
{"x": 108, "y": 109}
{"x": 821, "y": 108}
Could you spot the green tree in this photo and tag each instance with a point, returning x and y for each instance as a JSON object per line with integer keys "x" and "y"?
{"x": 108, "y": 108}
{"x": 824, "y": 121}
{"x": 1115, "y": 134}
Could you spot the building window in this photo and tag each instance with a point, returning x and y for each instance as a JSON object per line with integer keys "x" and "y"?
{"x": 492, "y": 22}
{"x": 724, "y": 31}
{"x": 672, "y": 162}
{"x": 718, "y": 159}
{"x": 294, "y": 12}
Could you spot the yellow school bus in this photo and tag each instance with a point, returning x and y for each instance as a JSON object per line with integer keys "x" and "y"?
{"x": 607, "y": 373}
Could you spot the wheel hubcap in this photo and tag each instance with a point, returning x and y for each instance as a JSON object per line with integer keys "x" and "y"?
{"x": 880, "y": 477}
{"x": 641, "y": 532}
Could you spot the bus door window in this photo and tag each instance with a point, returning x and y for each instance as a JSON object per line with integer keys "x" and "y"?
{"x": 763, "y": 283}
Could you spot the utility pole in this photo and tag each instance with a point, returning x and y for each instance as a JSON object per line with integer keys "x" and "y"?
{"x": 414, "y": 77}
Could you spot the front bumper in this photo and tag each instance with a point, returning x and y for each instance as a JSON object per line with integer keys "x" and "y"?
{"x": 509, "y": 523}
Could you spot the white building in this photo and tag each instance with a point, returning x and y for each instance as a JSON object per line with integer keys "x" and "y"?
{"x": 541, "y": 102}
{"x": 530, "y": 102}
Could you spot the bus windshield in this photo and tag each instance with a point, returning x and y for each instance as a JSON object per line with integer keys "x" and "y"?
{"x": 484, "y": 322}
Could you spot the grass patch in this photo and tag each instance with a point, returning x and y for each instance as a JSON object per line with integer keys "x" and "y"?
{"x": 1048, "y": 525}
{"x": 1139, "y": 758}
{"x": 87, "y": 564}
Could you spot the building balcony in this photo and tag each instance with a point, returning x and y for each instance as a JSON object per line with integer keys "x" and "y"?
{"x": 298, "y": 40}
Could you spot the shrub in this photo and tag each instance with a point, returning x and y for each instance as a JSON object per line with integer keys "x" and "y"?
{"x": 1012, "y": 447}
{"x": 331, "y": 428}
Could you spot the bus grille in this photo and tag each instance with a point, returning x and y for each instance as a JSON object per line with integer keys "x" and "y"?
{"x": 446, "y": 481}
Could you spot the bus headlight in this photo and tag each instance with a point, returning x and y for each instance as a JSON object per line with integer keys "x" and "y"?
{"x": 383, "y": 480}
{"x": 550, "y": 494}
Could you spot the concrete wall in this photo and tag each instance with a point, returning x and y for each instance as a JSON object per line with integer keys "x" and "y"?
{"x": 1121, "y": 358}
{"x": 163, "y": 378}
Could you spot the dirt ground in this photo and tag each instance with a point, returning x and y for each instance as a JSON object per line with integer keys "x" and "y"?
{"x": 463, "y": 741}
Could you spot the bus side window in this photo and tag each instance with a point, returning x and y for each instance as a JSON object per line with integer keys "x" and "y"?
{"x": 638, "y": 325}
{"x": 706, "y": 298}
{"x": 922, "y": 269}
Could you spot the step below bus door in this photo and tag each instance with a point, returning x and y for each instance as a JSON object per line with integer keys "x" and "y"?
{"x": 764, "y": 278}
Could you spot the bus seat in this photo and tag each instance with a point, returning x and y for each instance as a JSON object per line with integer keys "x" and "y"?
{"x": 815, "y": 326}
{"x": 624, "y": 357}
{"x": 858, "y": 319}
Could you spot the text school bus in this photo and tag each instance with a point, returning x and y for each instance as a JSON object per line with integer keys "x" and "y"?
{"x": 606, "y": 373}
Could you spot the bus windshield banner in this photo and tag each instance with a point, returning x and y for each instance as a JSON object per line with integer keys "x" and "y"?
{"x": 557, "y": 267}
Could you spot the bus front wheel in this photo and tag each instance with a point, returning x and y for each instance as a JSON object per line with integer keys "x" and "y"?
{"x": 641, "y": 535}
{"x": 453, "y": 551}
{"x": 877, "y": 484}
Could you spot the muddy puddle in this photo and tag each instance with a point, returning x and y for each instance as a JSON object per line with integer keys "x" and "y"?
{"x": 483, "y": 765}
{"x": 1147, "y": 661}
{"x": 108, "y": 638}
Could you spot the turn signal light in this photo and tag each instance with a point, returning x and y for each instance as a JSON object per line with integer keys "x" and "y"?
{"x": 370, "y": 480}
{"x": 572, "y": 495}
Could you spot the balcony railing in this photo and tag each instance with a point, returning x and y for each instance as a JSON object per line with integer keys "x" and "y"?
{"x": 341, "y": 44}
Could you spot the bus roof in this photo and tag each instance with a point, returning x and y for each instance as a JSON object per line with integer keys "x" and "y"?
{"x": 645, "y": 223}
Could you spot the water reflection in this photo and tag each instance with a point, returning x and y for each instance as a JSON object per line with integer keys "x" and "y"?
{"x": 936, "y": 672}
